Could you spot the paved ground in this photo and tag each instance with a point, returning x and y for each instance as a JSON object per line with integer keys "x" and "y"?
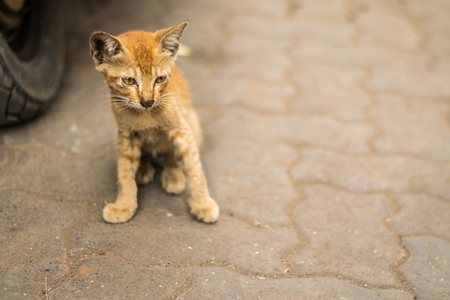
{"x": 327, "y": 127}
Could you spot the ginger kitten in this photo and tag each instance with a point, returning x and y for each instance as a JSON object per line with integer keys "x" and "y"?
{"x": 150, "y": 101}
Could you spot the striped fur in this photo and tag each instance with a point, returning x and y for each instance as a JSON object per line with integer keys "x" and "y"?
{"x": 170, "y": 127}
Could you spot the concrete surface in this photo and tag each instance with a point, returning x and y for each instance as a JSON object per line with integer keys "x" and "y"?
{"x": 327, "y": 148}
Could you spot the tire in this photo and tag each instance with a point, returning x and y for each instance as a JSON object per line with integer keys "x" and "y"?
{"x": 31, "y": 68}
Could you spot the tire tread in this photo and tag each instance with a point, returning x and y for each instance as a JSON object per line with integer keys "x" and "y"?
{"x": 19, "y": 107}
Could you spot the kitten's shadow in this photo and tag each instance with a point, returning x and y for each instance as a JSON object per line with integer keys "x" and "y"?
{"x": 154, "y": 200}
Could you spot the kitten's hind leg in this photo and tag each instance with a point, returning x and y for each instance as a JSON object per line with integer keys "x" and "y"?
{"x": 146, "y": 171}
{"x": 173, "y": 178}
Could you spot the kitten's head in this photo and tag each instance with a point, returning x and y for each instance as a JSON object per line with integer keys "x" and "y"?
{"x": 137, "y": 65}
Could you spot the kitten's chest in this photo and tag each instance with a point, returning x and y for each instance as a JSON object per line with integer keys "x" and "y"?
{"x": 137, "y": 122}
{"x": 155, "y": 140}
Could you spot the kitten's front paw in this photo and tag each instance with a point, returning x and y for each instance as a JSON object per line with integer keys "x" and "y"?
{"x": 173, "y": 180}
{"x": 206, "y": 211}
{"x": 113, "y": 213}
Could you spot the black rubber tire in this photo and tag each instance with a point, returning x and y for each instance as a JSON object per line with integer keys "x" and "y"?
{"x": 28, "y": 84}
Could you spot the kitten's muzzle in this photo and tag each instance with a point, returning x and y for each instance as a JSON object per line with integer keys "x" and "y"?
{"x": 147, "y": 103}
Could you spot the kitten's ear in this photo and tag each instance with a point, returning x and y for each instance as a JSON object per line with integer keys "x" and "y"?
{"x": 170, "y": 38}
{"x": 104, "y": 47}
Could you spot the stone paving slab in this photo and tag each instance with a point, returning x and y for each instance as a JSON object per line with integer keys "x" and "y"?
{"x": 98, "y": 278}
{"x": 326, "y": 146}
{"x": 428, "y": 268}
{"x": 329, "y": 216}
{"x": 214, "y": 283}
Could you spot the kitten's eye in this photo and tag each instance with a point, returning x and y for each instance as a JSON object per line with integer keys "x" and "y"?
{"x": 128, "y": 80}
{"x": 161, "y": 79}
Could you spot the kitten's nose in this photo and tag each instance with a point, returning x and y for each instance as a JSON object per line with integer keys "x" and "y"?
{"x": 147, "y": 103}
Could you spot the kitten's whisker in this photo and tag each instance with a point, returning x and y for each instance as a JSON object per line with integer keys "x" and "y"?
{"x": 175, "y": 94}
{"x": 119, "y": 98}
{"x": 102, "y": 96}
{"x": 103, "y": 105}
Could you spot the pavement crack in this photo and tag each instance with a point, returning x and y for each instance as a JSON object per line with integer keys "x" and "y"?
{"x": 293, "y": 113}
{"x": 396, "y": 264}
{"x": 377, "y": 132}
{"x": 290, "y": 85}
{"x": 73, "y": 256}
{"x": 377, "y": 154}
{"x": 290, "y": 253}
{"x": 185, "y": 286}
{"x": 431, "y": 235}
{"x": 254, "y": 223}
{"x": 365, "y": 192}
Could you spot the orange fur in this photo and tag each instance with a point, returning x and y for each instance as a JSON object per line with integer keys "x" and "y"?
{"x": 151, "y": 104}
